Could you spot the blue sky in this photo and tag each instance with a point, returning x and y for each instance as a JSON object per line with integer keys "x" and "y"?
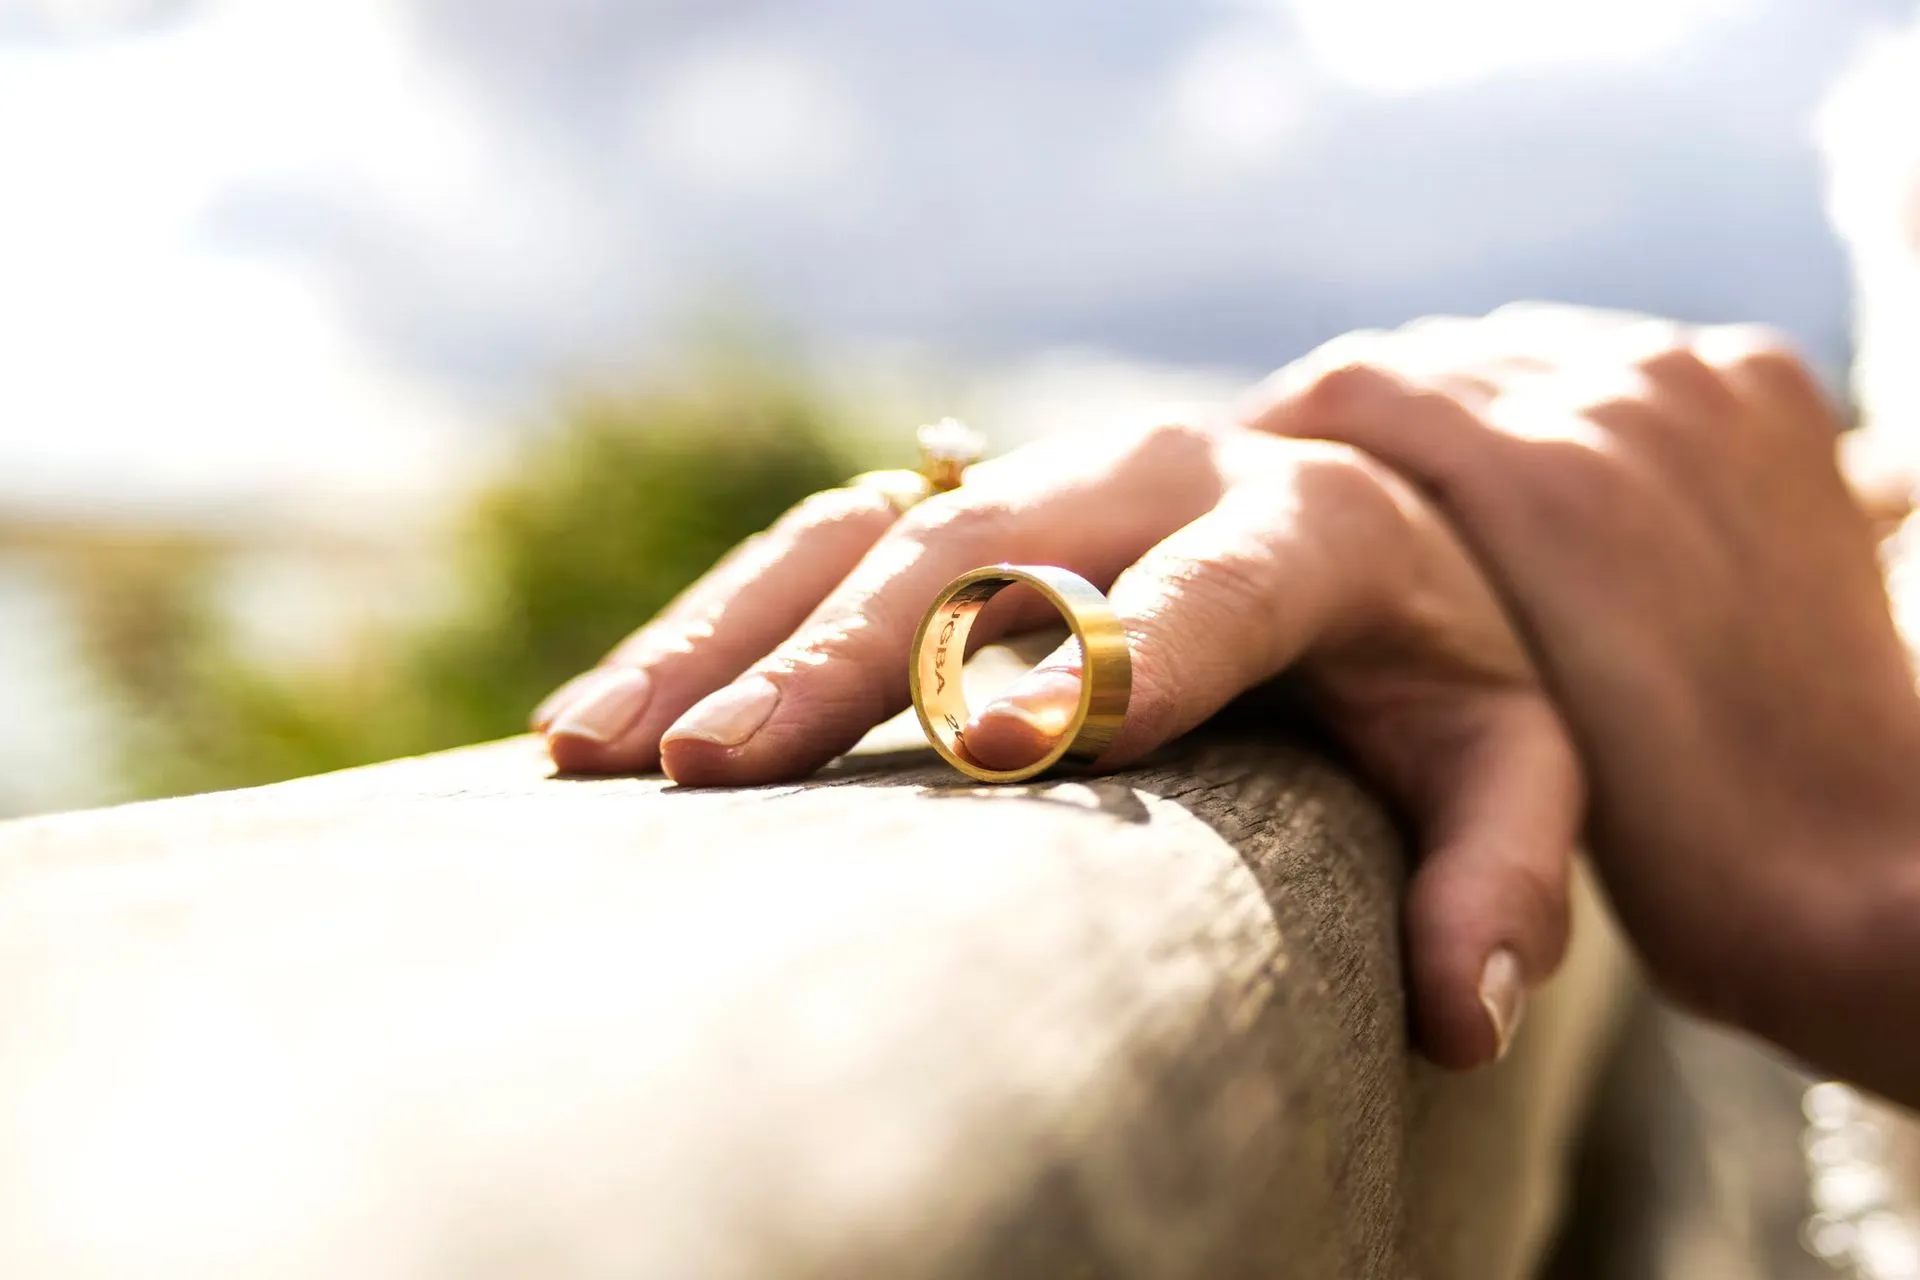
{"x": 325, "y": 242}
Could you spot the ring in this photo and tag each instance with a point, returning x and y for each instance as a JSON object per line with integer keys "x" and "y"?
{"x": 940, "y": 647}
{"x": 947, "y": 448}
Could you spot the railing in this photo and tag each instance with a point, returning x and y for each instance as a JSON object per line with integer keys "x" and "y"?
{"x": 454, "y": 1018}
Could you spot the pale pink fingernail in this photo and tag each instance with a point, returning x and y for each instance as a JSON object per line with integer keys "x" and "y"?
{"x": 1504, "y": 996}
{"x": 729, "y": 716}
{"x": 556, "y": 702}
{"x": 1044, "y": 701}
{"x": 607, "y": 708}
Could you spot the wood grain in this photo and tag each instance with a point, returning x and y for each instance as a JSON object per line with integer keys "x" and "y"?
{"x": 452, "y": 1017}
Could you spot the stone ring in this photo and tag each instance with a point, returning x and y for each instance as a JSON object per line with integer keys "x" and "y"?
{"x": 947, "y": 448}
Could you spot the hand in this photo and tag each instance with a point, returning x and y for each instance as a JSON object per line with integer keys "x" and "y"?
{"x": 1662, "y": 509}
{"x": 1230, "y": 556}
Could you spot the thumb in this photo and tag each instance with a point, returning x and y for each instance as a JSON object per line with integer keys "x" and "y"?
{"x": 1497, "y": 796}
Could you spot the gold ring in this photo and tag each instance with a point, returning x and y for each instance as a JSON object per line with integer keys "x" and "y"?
{"x": 904, "y": 490}
{"x": 940, "y": 646}
{"x": 947, "y": 448}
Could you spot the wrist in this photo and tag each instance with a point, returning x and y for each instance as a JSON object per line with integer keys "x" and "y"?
{"x": 1844, "y": 978}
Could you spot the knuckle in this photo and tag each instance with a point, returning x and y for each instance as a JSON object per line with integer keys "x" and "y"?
{"x": 853, "y": 655}
{"x": 1174, "y": 435}
{"x": 957, "y": 517}
{"x": 845, "y": 508}
{"x": 1160, "y": 440}
{"x": 1216, "y": 601}
{"x": 1759, "y": 357}
{"x": 1349, "y": 478}
{"x": 1777, "y": 388}
{"x": 1661, "y": 352}
{"x": 1348, "y": 490}
{"x": 1228, "y": 583}
{"x": 1363, "y": 518}
{"x": 1749, "y": 347}
{"x": 1346, "y": 388}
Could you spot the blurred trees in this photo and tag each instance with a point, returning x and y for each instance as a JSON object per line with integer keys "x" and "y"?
{"x": 600, "y": 521}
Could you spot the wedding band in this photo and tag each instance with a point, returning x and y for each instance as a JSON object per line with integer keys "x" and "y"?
{"x": 947, "y": 448}
{"x": 940, "y": 646}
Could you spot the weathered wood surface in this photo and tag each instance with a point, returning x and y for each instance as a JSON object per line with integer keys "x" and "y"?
{"x": 453, "y": 1018}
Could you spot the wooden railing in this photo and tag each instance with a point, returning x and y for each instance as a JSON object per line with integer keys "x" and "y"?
{"x": 455, "y": 1018}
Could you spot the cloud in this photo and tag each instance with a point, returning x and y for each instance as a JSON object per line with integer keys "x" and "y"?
{"x": 142, "y": 359}
{"x": 81, "y": 19}
{"x": 409, "y": 212}
{"x": 750, "y": 122}
{"x": 1399, "y": 47}
{"x": 1237, "y": 96}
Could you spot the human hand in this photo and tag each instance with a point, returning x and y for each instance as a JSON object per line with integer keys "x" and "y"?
{"x": 1230, "y": 556}
{"x": 1662, "y": 510}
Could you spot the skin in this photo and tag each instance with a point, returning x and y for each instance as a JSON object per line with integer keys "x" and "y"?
{"x": 1662, "y": 510}
{"x": 1657, "y": 509}
{"x": 1232, "y": 556}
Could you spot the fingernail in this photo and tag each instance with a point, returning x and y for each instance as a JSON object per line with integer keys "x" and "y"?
{"x": 606, "y": 709}
{"x": 1504, "y": 996}
{"x": 728, "y": 717}
{"x": 556, "y": 702}
{"x": 1044, "y": 701}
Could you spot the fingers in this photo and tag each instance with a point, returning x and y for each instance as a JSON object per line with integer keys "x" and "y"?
{"x": 1486, "y": 916}
{"x": 1030, "y": 715}
{"x": 1330, "y": 565}
{"x": 845, "y": 668}
{"x": 1430, "y": 436}
{"x": 1761, "y": 367}
{"x": 609, "y": 720}
{"x": 1225, "y": 603}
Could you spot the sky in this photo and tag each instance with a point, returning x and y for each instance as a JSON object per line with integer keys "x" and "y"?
{"x": 319, "y": 247}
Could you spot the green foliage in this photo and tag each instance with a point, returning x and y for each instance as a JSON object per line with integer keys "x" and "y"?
{"x": 604, "y": 517}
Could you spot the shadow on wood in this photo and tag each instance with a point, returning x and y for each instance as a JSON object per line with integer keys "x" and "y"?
{"x": 450, "y": 1017}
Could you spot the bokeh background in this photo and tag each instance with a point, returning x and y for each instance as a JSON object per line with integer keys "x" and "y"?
{"x": 366, "y": 366}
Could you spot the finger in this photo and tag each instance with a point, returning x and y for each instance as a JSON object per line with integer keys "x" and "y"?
{"x": 1498, "y": 808}
{"x": 1761, "y": 366}
{"x": 1030, "y": 716}
{"x": 727, "y": 576}
{"x": 1471, "y": 357}
{"x": 551, "y": 705}
{"x": 1456, "y": 455}
{"x": 1223, "y": 604}
{"x": 610, "y": 720}
{"x": 845, "y": 669}
{"x": 1481, "y": 762}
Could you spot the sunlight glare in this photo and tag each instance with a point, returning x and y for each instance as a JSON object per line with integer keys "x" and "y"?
{"x": 1400, "y": 47}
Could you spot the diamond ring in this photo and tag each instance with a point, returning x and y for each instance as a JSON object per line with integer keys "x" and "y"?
{"x": 947, "y": 448}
